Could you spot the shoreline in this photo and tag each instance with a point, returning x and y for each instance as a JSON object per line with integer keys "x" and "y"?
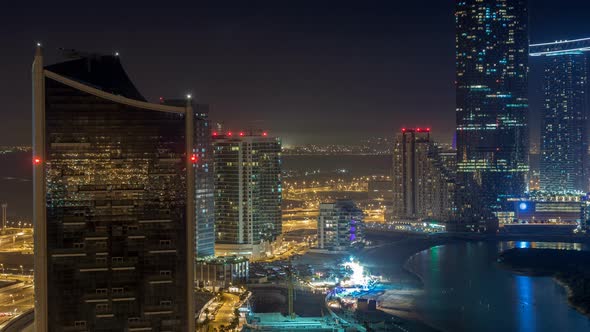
{"x": 402, "y": 252}
{"x": 570, "y": 295}
{"x": 422, "y": 243}
{"x": 563, "y": 266}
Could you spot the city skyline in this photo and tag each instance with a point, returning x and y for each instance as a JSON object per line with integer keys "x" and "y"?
{"x": 218, "y": 48}
{"x": 296, "y": 165}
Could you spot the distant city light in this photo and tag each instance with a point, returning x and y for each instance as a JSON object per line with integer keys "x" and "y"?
{"x": 189, "y": 96}
{"x": 523, "y": 206}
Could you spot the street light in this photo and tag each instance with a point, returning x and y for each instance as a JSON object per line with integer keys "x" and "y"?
{"x": 22, "y": 271}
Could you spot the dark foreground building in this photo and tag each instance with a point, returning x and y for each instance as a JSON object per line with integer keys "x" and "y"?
{"x": 113, "y": 202}
{"x": 564, "y": 132}
{"x": 492, "y": 107}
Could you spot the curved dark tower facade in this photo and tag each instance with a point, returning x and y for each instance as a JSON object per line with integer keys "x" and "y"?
{"x": 113, "y": 202}
{"x": 492, "y": 107}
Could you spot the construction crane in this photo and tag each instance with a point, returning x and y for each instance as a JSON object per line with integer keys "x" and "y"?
{"x": 290, "y": 289}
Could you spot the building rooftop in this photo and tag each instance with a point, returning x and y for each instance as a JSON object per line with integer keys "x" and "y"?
{"x": 560, "y": 47}
{"x": 277, "y": 322}
{"x": 103, "y": 72}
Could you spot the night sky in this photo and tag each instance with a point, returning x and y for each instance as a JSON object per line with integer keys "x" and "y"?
{"x": 309, "y": 71}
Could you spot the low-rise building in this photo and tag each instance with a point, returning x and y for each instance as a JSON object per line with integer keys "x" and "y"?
{"x": 221, "y": 272}
{"x": 340, "y": 225}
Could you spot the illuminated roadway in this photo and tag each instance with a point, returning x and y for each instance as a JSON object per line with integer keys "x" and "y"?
{"x": 15, "y": 299}
{"x": 16, "y": 252}
{"x": 306, "y": 196}
{"x": 18, "y": 240}
{"x": 225, "y": 312}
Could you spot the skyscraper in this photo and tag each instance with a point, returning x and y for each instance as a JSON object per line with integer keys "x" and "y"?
{"x": 204, "y": 181}
{"x": 248, "y": 193}
{"x": 340, "y": 225}
{"x": 564, "y": 132}
{"x": 492, "y": 106}
{"x": 423, "y": 180}
{"x": 113, "y": 202}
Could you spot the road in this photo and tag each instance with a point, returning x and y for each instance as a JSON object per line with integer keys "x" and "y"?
{"x": 15, "y": 299}
{"x": 225, "y": 313}
{"x": 17, "y": 240}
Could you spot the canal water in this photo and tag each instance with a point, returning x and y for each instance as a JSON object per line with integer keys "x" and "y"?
{"x": 465, "y": 290}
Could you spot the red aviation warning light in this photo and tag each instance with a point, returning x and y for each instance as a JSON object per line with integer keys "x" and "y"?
{"x": 265, "y": 134}
{"x": 194, "y": 158}
{"x": 229, "y": 133}
{"x": 241, "y": 133}
{"x": 403, "y": 130}
{"x": 428, "y": 129}
{"x": 214, "y": 133}
{"x": 37, "y": 161}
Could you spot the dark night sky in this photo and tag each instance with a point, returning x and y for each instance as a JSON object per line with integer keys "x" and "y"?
{"x": 309, "y": 71}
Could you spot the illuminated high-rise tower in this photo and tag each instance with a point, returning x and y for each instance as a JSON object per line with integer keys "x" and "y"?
{"x": 113, "y": 202}
{"x": 248, "y": 193}
{"x": 564, "y": 132}
{"x": 204, "y": 181}
{"x": 492, "y": 106}
{"x": 423, "y": 181}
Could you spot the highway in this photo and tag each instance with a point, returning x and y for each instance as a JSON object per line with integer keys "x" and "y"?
{"x": 224, "y": 312}
{"x": 17, "y": 240}
{"x": 16, "y": 263}
{"x": 15, "y": 299}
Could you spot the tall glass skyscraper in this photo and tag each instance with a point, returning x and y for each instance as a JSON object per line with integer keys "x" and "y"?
{"x": 248, "y": 193}
{"x": 204, "y": 185}
{"x": 492, "y": 106}
{"x": 204, "y": 181}
{"x": 113, "y": 202}
{"x": 564, "y": 132}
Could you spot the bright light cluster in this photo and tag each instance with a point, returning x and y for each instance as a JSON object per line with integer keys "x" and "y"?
{"x": 358, "y": 277}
